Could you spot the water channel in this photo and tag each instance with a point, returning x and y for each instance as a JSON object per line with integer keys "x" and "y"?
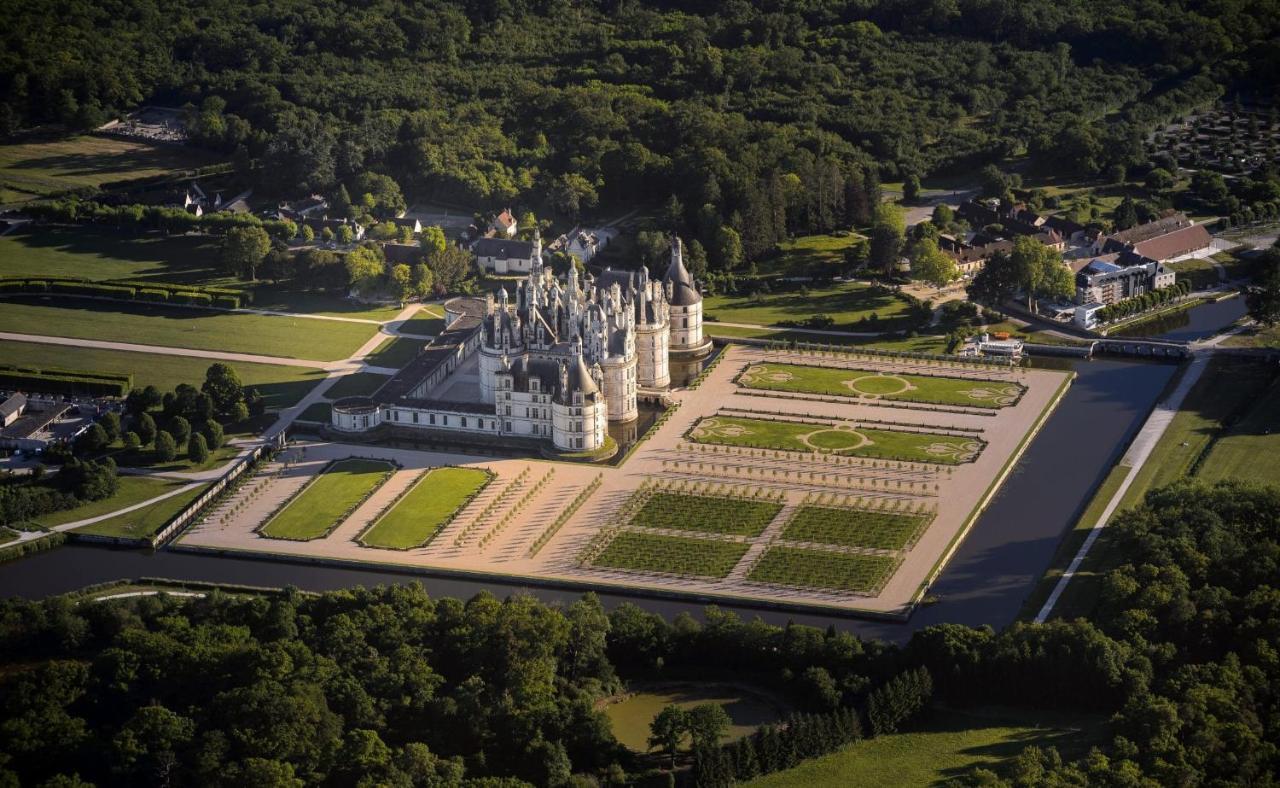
{"x": 1188, "y": 325}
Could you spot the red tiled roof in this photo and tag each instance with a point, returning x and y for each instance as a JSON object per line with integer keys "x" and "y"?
{"x": 1179, "y": 242}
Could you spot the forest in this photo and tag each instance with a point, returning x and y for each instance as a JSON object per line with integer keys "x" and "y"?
{"x": 388, "y": 686}
{"x": 761, "y": 118}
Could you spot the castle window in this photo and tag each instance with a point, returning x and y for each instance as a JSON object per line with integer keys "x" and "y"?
{"x": 508, "y": 426}
{"x": 415, "y": 417}
{"x": 432, "y": 417}
{"x": 464, "y": 421}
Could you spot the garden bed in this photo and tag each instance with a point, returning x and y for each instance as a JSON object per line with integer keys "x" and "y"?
{"x": 870, "y": 384}
{"x": 671, "y": 555}
{"x": 860, "y": 573}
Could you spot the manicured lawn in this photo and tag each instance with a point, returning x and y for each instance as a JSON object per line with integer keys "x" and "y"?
{"x": 924, "y": 343}
{"x": 801, "y": 255}
{"x": 395, "y": 352}
{"x": 1248, "y": 449}
{"x": 357, "y": 384}
{"x": 429, "y": 506}
{"x": 838, "y": 439}
{"x": 146, "y": 521}
{"x": 951, "y": 743}
{"x": 846, "y": 303}
{"x": 146, "y": 458}
{"x": 199, "y": 329}
{"x": 101, "y": 253}
{"x": 855, "y": 527}
{"x": 675, "y": 555}
{"x": 797, "y": 566}
{"x": 276, "y": 299}
{"x": 878, "y": 385}
{"x": 630, "y": 717}
{"x": 132, "y": 490}
{"x": 423, "y": 325}
{"x": 327, "y": 499}
{"x": 317, "y": 411}
{"x": 281, "y": 386}
{"x": 707, "y": 513}
{"x": 41, "y": 168}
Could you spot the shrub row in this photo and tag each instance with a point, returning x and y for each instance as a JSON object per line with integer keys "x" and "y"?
{"x": 127, "y": 291}
{"x": 16, "y": 551}
{"x": 62, "y": 381}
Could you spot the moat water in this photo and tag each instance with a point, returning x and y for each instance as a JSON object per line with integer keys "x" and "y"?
{"x": 1188, "y": 325}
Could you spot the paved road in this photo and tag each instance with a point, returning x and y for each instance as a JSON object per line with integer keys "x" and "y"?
{"x": 26, "y": 536}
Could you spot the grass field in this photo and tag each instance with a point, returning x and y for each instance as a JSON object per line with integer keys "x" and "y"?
{"x": 132, "y": 490}
{"x": 706, "y": 513}
{"x": 33, "y": 169}
{"x": 144, "y": 522}
{"x": 357, "y": 384}
{"x": 1248, "y": 448}
{"x": 428, "y": 507}
{"x": 327, "y": 499}
{"x": 422, "y": 325}
{"x": 831, "y": 381}
{"x": 923, "y": 343}
{"x": 675, "y": 555}
{"x": 855, "y": 527}
{"x": 951, "y": 743}
{"x": 846, "y": 303}
{"x": 197, "y": 329}
{"x": 281, "y": 386}
{"x": 395, "y": 352}
{"x": 801, "y": 255}
{"x": 631, "y": 716}
{"x": 797, "y": 566}
{"x": 317, "y": 411}
{"x": 100, "y": 253}
{"x": 837, "y": 439}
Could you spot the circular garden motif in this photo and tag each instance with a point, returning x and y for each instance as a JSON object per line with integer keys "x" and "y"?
{"x": 842, "y": 438}
{"x": 1000, "y": 395}
{"x": 879, "y": 385}
{"x": 961, "y": 450}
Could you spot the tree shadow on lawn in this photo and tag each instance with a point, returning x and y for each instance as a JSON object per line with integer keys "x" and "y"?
{"x": 801, "y": 306}
{"x": 118, "y": 164}
{"x": 1071, "y": 737}
{"x": 178, "y": 259}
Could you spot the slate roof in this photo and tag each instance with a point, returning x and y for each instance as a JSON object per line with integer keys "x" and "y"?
{"x": 503, "y": 248}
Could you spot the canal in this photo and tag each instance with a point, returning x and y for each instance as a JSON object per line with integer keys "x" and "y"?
{"x": 1188, "y": 325}
{"x": 994, "y": 570}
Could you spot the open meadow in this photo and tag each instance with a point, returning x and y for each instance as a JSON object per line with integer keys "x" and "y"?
{"x": 852, "y": 307}
{"x": 38, "y": 169}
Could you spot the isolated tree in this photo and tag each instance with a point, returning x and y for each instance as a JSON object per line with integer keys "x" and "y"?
{"x": 706, "y": 724}
{"x": 307, "y": 234}
{"x": 166, "y": 447}
{"x": 402, "y": 281}
{"x": 931, "y": 264}
{"x": 213, "y": 434}
{"x": 146, "y": 429}
{"x": 345, "y": 234}
{"x": 667, "y": 731}
{"x": 888, "y": 228}
{"x": 132, "y": 441}
{"x": 197, "y": 448}
{"x": 1263, "y": 296}
{"x": 942, "y": 216}
{"x": 243, "y": 249}
{"x": 222, "y": 384}
{"x": 433, "y": 241}
{"x": 911, "y": 189}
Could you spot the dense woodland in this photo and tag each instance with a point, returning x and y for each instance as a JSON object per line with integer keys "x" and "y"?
{"x": 761, "y": 118}
{"x": 390, "y": 687}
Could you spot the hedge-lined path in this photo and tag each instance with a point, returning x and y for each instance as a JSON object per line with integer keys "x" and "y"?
{"x": 24, "y": 536}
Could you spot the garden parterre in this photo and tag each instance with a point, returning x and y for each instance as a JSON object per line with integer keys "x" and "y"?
{"x": 873, "y": 384}
{"x": 431, "y": 504}
{"x": 797, "y": 566}
{"x": 673, "y": 555}
{"x": 711, "y": 514}
{"x": 328, "y": 499}
{"x": 837, "y": 438}
{"x": 853, "y": 527}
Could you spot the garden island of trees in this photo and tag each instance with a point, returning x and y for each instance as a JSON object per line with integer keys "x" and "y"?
{"x": 743, "y": 123}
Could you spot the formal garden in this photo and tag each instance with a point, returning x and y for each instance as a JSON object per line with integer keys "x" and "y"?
{"x": 836, "y": 438}
{"x": 857, "y": 526}
{"x": 860, "y": 573}
{"x": 711, "y": 514}
{"x": 870, "y": 384}
{"x": 430, "y": 504}
{"x": 672, "y": 555}
{"x": 327, "y": 500}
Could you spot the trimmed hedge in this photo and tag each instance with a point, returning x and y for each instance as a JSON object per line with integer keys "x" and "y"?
{"x": 65, "y": 381}
{"x": 129, "y": 290}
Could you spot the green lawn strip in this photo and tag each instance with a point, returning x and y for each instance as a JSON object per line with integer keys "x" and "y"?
{"x": 395, "y": 352}
{"x": 749, "y": 432}
{"x": 44, "y": 168}
{"x": 850, "y": 305}
{"x": 922, "y": 343}
{"x": 858, "y": 383}
{"x": 674, "y": 555}
{"x": 949, "y": 744}
{"x": 855, "y": 527}
{"x": 356, "y": 384}
{"x": 321, "y": 412}
{"x": 146, "y": 458}
{"x": 423, "y": 325}
{"x": 101, "y": 253}
{"x": 808, "y": 568}
{"x": 707, "y": 513}
{"x": 326, "y": 501}
{"x": 281, "y": 386}
{"x": 147, "y": 521}
{"x": 429, "y": 505}
{"x": 278, "y": 299}
{"x": 171, "y": 326}
{"x": 1248, "y": 448}
{"x": 132, "y": 490}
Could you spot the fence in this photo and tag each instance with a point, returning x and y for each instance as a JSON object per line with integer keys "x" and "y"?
{"x": 184, "y": 517}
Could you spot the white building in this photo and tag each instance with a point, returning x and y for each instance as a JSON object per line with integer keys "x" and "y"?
{"x": 507, "y": 256}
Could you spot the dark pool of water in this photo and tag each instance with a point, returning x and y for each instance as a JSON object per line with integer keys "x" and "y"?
{"x": 1188, "y": 325}
{"x": 994, "y": 570}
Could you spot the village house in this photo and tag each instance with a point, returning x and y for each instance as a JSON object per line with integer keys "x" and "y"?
{"x": 507, "y": 256}
{"x": 504, "y": 225}
{"x": 1170, "y": 238}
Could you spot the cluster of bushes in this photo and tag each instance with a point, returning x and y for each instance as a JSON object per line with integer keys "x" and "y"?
{"x": 46, "y": 542}
{"x": 51, "y": 380}
{"x": 154, "y": 217}
{"x": 775, "y": 748}
{"x": 1142, "y": 303}
{"x": 30, "y": 496}
{"x": 129, "y": 290}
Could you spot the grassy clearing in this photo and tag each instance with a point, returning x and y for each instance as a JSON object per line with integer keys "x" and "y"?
{"x": 41, "y": 168}
{"x": 923, "y": 343}
{"x": 1240, "y": 452}
{"x": 198, "y": 329}
{"x": 838, "y": 439}
{"x": 146, "y": 458}
{"x": 1200, "y": 272}
{"x": 422, "y": 325}
{"x": 429, "y": 506}
{"x": 673, "y": 555}
{"x": 951, "y": 743}
{"x": 803, "y": 254}
{"x": 631, "y": 716}
{"x": 317, "y": 411}
{"x": 147, "y": 521}
{"x": 100, "y": 253}
{"x": 327, "y": 500}
{"x": 706, "y": 513}
{"x": 357, "y": 384}
{"x": 798, "y": 566}
{"x": 847, "y": 304}
{"x": 281, "y": 386}
{"x": 855, "y": 527}
{"x": 831, "y": 381}
{"x": 132, "y": 490}
{"x": 1255, "y": 336}
{"x": 395, "y": 352}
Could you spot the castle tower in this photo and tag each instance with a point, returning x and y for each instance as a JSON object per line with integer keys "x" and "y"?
{"x": 685, "y": 302}
{"x": 503, "y": 338}
{"x": 577, "y": 410}
{"x": 653, "y": 336}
